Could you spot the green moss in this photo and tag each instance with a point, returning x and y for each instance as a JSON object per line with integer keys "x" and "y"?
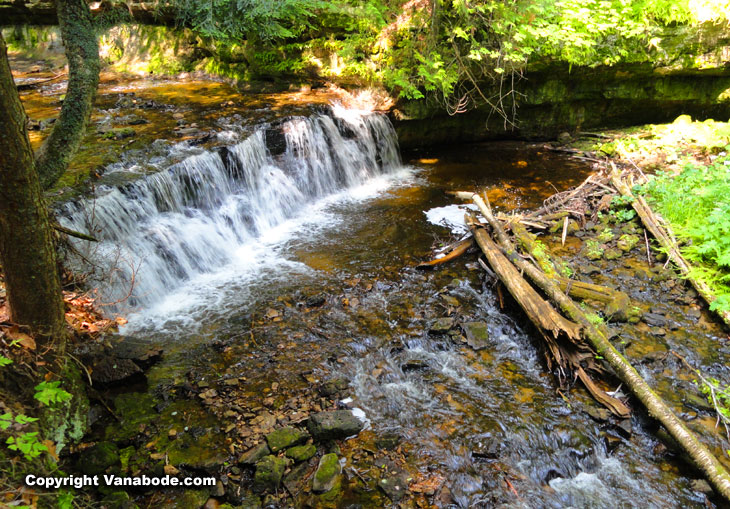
{"x": 301, "y": 452}
{"x": 593, "y": 250}
{"x": 269, "y": 473}
{"x": 285, "y": 437}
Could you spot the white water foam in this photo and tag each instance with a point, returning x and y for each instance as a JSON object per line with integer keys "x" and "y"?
{"x": 184, "y": 233}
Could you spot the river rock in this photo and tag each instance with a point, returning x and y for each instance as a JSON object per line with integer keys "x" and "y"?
{"x": 95, "y": 460}
{"x": 333, "y": 425}
{"x": 700, "y": 485}
{"x": 442, "y": 325}
{"x": 301, "y": 452}
{"x": 269, "y": 473}
{"x": 612, "y": 254}
{"x": 254, "y": 454}
{"x": 111, "y": 370}
{"x": 655, "y": 320}
{"x": 477, "y": 334}
{"x": 395, "y": 485}
{"x": 294, "y": 480}
{"x": 327, "y": 474}
{"x": 283, "y": 438}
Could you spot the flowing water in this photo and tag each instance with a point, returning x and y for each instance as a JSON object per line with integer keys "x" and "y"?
{"x": 208, "y": 247}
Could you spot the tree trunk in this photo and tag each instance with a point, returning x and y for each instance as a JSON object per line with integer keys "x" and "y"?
{"x": 27, "y": 250}
{"x": 82, "y": 53}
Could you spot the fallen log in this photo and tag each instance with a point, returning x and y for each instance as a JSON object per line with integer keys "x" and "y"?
{"x": 457, "y": 250}
{"x": 662, "y": 232}
{"x": 617, "y": 303}
{"x": 700, "y": 454}
{"x": 549, "y": 322}
{"x": 73, "y": 233}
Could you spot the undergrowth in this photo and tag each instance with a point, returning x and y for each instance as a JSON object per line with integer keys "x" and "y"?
{"x": 696, "y": 202}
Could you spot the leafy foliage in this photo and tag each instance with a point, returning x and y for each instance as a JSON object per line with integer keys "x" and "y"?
{"x": 701, "y": 219}
{"x": 50, "y": 393}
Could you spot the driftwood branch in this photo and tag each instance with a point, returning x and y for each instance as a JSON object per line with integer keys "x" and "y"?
{"x": 74, "y": 233}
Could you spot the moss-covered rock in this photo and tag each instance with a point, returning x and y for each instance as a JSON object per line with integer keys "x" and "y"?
{"x": 327, "y": 474}
{"x": 283, "y": 438}
{"x": 98, "y": 458}
{"x": 627, "y": 242}
{"x": 301, "y": 452}
{"x": 119, "y": 500}
{"x": 593, "y": 250}
{"x": 612, "y": 254}
{"x": 269, "y": 473}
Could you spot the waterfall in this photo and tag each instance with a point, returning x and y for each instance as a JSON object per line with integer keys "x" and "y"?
{"x": 163, "y": 229}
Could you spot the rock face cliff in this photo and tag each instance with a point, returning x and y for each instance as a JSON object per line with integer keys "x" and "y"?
{"x": 688, "y": 73}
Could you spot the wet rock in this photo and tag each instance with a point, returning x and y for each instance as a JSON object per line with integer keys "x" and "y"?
{"x": 111, "y": 370}
{"x": 612, "y": 254}
{"x": 388, "y": 441}
{"x": 275, "y": 140}
{"x": 218, "y": 490}
{"x": 487, "y": 449}
{"x": 269, "y": 473}
{"x": 627, "y": 242}
{"x": 327, "y": 474}
{"x": 701, "y": 486}
{"x": 451, "y": 301}
{"x": 334, "y": 425}
{"x": 624, "y": 427}
{"x": 118, "y": 133}
{"x": 294, "y": 480}
{"x": 655, "y": 320}
{"x": 599, "y": 414}
{"x": 98, "y": 458}
{"x": 414, "y": 365}
{"x": 132, "y": 119}
{"x": 477, "y": 334}
{"x": 316, "y": 301}
{"x": 442, "y": 325}
{"x": 395, "y": 485}
{"x": 301, "y": 452}
{"x": 284, "y": 438}
{"x": 658, "y": 331}
{"x": 589, "y": 269}
{"x": 333, "y": 387}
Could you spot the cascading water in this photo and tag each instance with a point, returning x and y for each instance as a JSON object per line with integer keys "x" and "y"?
{"x": 166, "y": 228}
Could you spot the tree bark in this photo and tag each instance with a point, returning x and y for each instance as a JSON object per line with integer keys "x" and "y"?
{"x": 82, "y": 52}
{"x": 700, "y": 454}
{"x": 27, "y": 250}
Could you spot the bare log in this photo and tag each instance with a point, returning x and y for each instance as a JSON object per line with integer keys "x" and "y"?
{"x": 457, "y": 250}
{"x": 664, "y": 235}
{"x": 549, "y": 322}
{"x": 704, "y": 459}
{"x": 73, "y": 233}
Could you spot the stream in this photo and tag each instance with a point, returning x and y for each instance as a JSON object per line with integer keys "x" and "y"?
{"x": 284, "y": 253}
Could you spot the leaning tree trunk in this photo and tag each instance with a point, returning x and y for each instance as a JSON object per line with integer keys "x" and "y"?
{"x": 82, "y": 53}
{"x": 27, "y": 250}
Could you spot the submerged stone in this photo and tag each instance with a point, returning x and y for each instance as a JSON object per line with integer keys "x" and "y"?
{"x": 442, "y": 325}
{"x": 477, "y": 334}
{"x": 334, "y": 425}
{"x": 283, "y": 438}
{"x": 301, "y": 452}
{"x": 269, "y": 473}
{"x": 327, "y": 473}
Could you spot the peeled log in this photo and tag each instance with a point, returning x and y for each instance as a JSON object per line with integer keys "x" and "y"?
{"x": 704, "y": 459}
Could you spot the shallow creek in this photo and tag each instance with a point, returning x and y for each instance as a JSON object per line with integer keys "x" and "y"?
{"x": 292, "y": 269}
